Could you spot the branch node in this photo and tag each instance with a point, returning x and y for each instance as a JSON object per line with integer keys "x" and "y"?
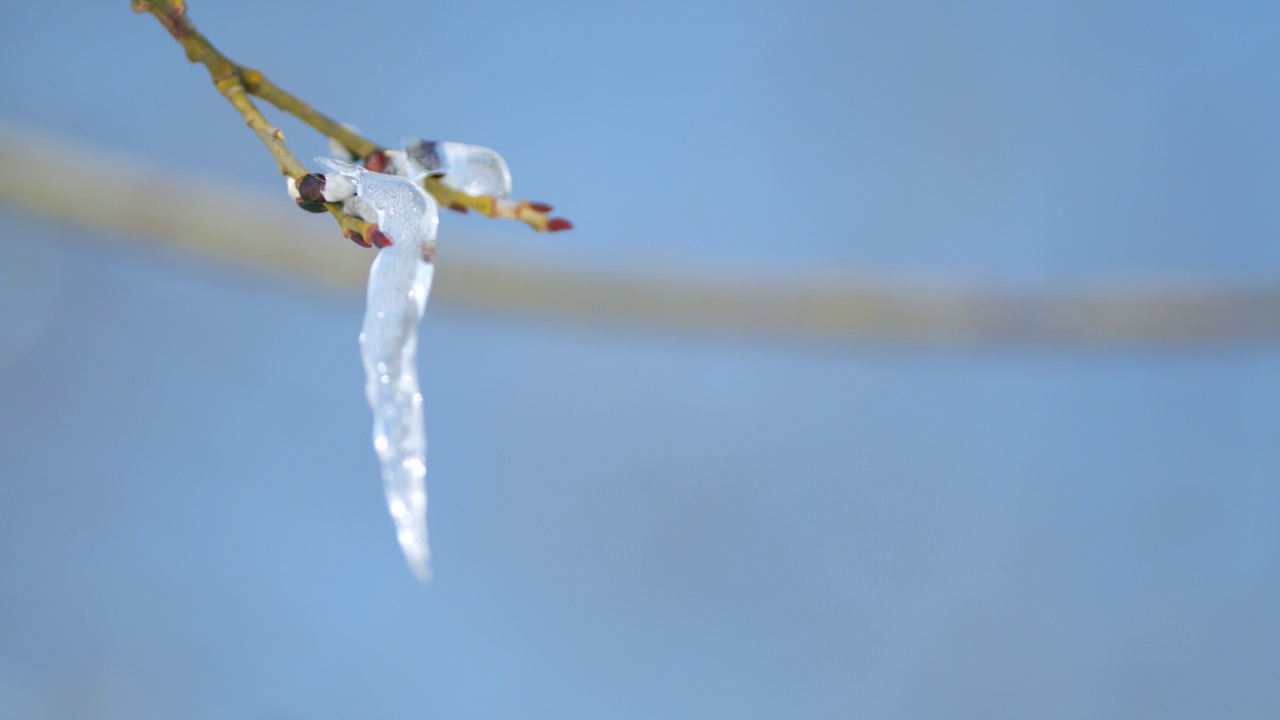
{"x": 311, "y": 188}
{"x": 175, "y": 20}
{"x": 251, "y": 79}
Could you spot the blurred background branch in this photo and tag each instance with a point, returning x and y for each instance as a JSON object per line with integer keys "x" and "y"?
{"x": 822, "y": 303}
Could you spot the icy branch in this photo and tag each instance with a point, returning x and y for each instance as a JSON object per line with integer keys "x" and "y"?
{"x": 387, "y": 204}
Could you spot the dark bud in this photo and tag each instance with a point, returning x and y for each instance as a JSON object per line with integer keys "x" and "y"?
{"x": 311, "y": 207}
{"x": 458, "y": 207}
{"x": 541, "y": 207}
{"x": 558, "y": 224}
{"x": 376, "y": 161}
{"x": 311, "y": 188}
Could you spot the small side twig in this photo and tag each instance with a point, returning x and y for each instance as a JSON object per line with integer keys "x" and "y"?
{"x": 271, "y": 136}
{"x": 258, "y": 84}
{"x": 225, "y": 74}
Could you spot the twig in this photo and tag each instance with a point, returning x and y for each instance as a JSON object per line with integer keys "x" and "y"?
{"x": 270, "y": 136}
{"x": 225, "y": 75}
{"x": 237, "y": 82}
{"x": 258, "y": 84}
{"x": 532, "y": 214}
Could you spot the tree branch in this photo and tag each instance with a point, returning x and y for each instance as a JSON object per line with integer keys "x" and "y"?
{"x": 258, "y": 84}
{"x": 236, "y": 83}
{"x": 225, "y": 75}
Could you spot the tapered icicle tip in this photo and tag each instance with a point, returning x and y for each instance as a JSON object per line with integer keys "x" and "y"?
{"x": 418, "y": 557}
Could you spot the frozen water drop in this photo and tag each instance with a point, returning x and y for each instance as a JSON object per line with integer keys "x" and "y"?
{"x": 471, "y": 169}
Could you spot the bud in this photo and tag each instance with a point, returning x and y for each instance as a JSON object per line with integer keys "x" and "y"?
{"x": 311, "y": 188}
{"x": 375, "y": 161}
{"x": 378, "y": 238}
{"x": 356, "y": 238}
{"x": 558, "y": 224}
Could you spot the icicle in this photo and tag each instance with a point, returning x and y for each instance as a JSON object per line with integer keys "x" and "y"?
{"x": 399, "y": 282}
{"x": 470, "y": 169}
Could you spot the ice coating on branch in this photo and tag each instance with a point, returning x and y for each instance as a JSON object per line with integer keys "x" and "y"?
{"x": 338, "y": 187}
{"x": 399, "y": 282}
{"x": 471, "y": 169}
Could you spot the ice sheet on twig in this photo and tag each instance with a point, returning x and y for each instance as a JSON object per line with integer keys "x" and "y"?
{"x": 471, "y": 169}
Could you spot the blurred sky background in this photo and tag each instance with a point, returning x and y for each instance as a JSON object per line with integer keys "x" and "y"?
{"x": 629, "y": 522}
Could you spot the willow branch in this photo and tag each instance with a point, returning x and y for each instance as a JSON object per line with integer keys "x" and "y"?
{"x": 258, "y": 84}
{"x": 226, "y": 77}
{"x": 535, "y": 215}
{"x": 270, "y": 136}
{"x": 236, "y": 83}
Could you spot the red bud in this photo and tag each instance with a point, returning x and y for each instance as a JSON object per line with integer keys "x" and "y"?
{"x": 376, "y": 161}
{"x": 541, "y": 207}
{"x": 558, "y": 224}
{"x": 378, "y": 238}
{"x": 356, "y": 238}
